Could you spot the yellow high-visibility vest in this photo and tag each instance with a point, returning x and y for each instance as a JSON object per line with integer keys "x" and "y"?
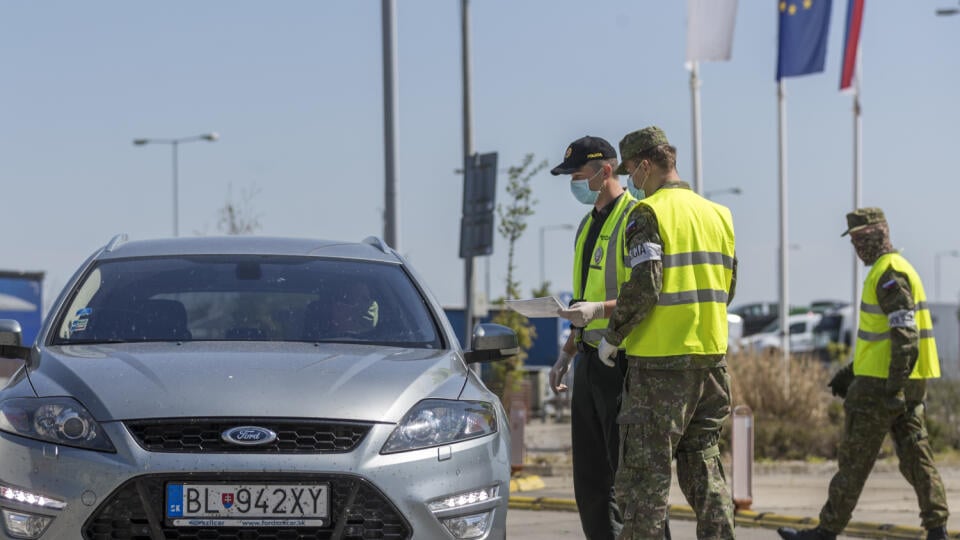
{"x": 872, "y": 357}
{"x": 605, "y": 274}
{"x": 690, "y": 316}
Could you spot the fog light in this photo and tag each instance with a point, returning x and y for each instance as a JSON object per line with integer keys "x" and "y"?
{"x": 11, "y": 493}
{"x": 24, "y": 525}
{"x": 472, "y": 526}
{"x": 466, "y": 498}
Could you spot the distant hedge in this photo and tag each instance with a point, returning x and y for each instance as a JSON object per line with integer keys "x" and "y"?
{"x": 802, "y": 420}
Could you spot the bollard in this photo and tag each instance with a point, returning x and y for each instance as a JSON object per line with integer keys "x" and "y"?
{"x": 742, "y": 465}
{"x": 518, "y": 447}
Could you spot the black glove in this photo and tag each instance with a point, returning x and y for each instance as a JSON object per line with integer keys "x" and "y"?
{"x": 841, "y": 381}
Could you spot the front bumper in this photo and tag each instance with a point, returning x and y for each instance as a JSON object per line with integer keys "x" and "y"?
{"x": 386, "y": 496}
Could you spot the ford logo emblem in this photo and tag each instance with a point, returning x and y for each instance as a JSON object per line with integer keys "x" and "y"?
{"x": 248, "y": 435}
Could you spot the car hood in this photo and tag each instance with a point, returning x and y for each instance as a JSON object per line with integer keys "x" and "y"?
{"x": 247, "y": 379}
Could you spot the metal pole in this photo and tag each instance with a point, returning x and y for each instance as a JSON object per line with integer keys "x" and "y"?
{"x": 784, "y": 246}
{"x": 857, "y": 186}
{"x": 467, "y": 155}
{"x": 390, "y": 107}
{"x": 697, "y": 140}
{"x": 176, "y": 194}
{"x": 936, "y": 276}
{"x": 542, "y": 275}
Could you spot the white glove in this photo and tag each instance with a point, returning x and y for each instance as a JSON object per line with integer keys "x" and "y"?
{"x": 582, "y": 313}
{"x": 607, "y": 352}
{"x": 559, "y": 370}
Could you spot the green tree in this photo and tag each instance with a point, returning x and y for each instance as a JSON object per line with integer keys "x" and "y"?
{"x": 508, "y": 374}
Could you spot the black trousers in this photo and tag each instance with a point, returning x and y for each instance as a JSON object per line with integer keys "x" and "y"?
{"x": 596, "y": 443}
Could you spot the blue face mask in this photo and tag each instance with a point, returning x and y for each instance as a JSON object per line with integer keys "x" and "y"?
{"x": 637, "y": 192}
{"x": 581, "y": 190}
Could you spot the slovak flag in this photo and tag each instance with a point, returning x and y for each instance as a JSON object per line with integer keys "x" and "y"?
{"x": 227, "y": 500}
{"x": 850, "y": 42}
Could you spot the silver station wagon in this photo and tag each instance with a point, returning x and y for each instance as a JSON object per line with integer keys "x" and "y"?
{"x": 251, "y": 388}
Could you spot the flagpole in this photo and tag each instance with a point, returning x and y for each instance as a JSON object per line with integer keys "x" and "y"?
{"x": 697, "y": 139}
{"x": 857, "y": 185}
{"x": 784, "y": 246}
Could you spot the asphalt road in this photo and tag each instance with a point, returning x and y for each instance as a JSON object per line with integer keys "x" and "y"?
{"x": 547, "y": 525}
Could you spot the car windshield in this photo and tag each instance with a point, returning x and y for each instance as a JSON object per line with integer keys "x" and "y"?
{"x": 247, "y": 298}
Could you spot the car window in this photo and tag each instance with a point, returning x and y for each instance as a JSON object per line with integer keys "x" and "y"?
{"x": 798, "y": 328}
{"x": 248, "y": 298}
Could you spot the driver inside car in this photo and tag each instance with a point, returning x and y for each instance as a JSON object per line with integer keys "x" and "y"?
{"x": 354, "y": 310}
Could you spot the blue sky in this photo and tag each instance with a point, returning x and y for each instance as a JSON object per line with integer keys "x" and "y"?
{"x": 295, "y": 91}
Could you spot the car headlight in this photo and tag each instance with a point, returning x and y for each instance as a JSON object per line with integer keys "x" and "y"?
{"x": 59, "y": 420}
{"x": 434, "y": 422}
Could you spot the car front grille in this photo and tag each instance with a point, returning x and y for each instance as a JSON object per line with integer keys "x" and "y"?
{"x": 357, "y": 510}
{"x": 204, "y": 435}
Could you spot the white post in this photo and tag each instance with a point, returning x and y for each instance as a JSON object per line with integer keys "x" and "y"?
{"x": 697, "y": 139}
{"x": 742, "y": 450}
{"x": 857, "y": 185}
{"x": 784, "y": 245}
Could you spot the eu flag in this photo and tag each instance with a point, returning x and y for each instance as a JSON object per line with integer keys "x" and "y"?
{"x": 804, "y": 25}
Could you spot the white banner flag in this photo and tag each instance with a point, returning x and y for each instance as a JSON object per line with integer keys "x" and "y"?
{"x": 710, "y": 29}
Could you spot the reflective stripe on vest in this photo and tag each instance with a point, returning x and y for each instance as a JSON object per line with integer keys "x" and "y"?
{"x": 690, "y": 316}
{"x": 872, "y": 356}
{"x": 603, "y": 278}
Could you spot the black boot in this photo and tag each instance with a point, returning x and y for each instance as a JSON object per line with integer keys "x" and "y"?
{"x": 938, "y": 533}
{"x": 806, "y": 534}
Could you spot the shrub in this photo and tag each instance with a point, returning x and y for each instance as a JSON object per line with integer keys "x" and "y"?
{"x": 807, "y": 421}
{"x": 795, "y": 421}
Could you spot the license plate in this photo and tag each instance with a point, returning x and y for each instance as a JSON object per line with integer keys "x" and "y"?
{"x": 248, "y": 505}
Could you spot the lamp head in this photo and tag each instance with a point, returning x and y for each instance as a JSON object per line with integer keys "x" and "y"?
{"x": 140, "y": 142}
{"x": 212, "y": 137}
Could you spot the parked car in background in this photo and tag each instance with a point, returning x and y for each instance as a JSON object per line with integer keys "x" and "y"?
{"x": 251, "y": 388}
{"x": 836, "y": 327}
{"x": 756, "y": 316}
{"x": 800, "y": 327}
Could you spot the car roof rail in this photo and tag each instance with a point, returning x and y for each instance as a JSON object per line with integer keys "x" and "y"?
{"x": 116, "y": 242}
{"x": 378, "y": 243}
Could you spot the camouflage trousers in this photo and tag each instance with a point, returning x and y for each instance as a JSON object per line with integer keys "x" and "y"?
{"x": 669, "y": 413}
{"x": 866, "y": 424}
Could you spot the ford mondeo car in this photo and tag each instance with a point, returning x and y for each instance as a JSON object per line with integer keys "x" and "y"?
{"x": 251, "y": 388}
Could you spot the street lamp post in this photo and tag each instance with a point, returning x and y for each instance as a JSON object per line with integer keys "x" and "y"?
{"x": 543, "y": 229}
{"x": 732, "y": 191}
{"x": 936, "y": 270}
{"x": 174, "y": 144}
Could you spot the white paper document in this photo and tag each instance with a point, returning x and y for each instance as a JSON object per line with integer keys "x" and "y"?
{"x": 546, "y": 306}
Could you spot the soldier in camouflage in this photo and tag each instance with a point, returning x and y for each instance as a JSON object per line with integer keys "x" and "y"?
{"x": 674, "y": 403}
{"x": 889, "y": 399}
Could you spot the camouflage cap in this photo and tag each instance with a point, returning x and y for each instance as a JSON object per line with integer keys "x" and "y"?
{"x": 863, "y": 217}
{"x": 637, "y": 142}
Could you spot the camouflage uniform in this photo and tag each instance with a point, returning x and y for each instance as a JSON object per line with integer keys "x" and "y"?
{"x": 875, "y": 406}
{"x": 672, "y": 407}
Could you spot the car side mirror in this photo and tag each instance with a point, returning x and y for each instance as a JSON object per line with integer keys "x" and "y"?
{"x": 11, "y": 336}
{"x": 492, "y": 342}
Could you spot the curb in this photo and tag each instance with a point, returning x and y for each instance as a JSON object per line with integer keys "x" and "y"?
{"x": 746, "y": 518}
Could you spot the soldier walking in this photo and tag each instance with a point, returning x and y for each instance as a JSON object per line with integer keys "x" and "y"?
{"x": 894, "y": 357}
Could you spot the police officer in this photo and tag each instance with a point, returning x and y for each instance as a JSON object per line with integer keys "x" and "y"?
{"x": 671, "y": 317}
{"x": 598, "y": 268}
{"x": 895, "y": 355}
